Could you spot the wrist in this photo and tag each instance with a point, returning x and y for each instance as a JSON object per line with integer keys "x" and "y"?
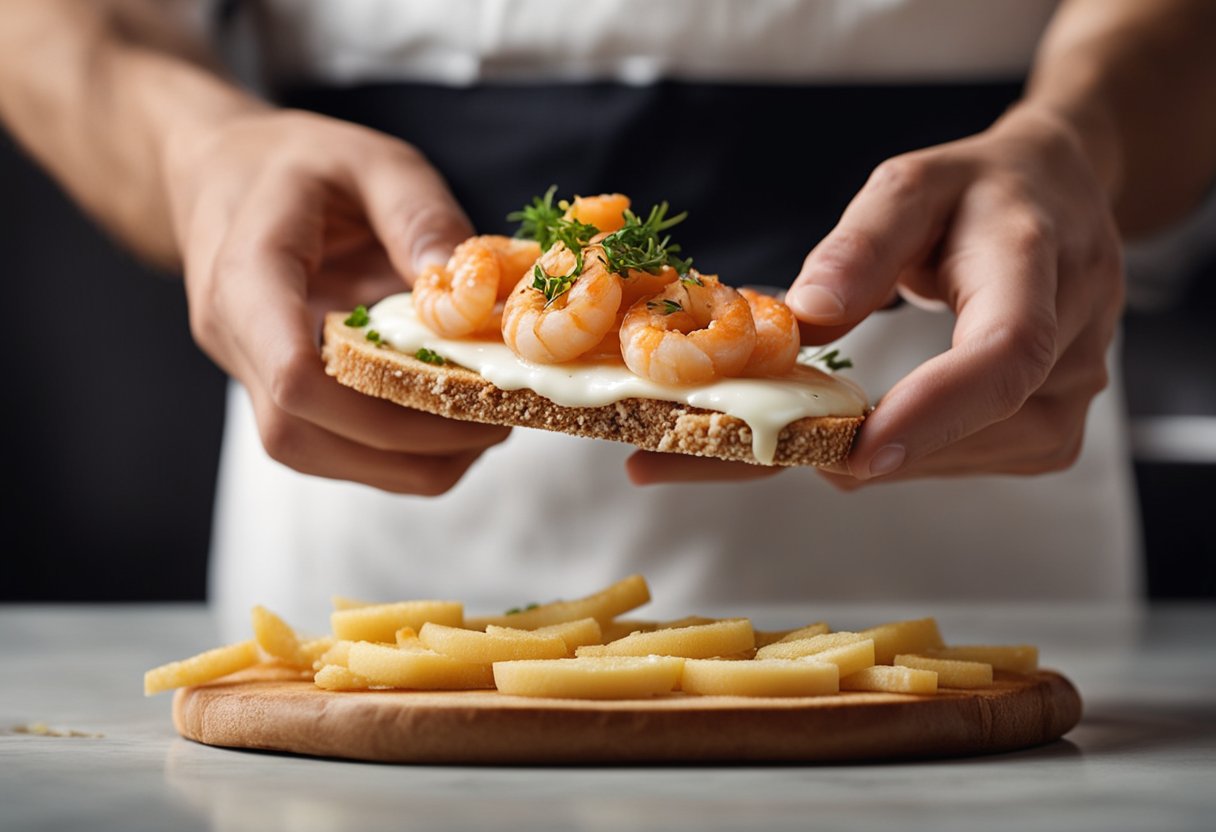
{"x": 1087, "y": 128}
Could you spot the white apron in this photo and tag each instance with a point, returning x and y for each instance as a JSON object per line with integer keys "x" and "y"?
{"x": 544, "y": 515}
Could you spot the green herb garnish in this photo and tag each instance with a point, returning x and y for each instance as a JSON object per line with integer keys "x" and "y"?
{"x": 538, "y": 220}
{"x": 832, "y": 360}
{"x": 667, "y": 307}
{"x": 642, "y": 246}
{"x": 517, "y": 610}
{"x": 374, "y": 337}
{"x": 358, "y": 317}
{"x": 430, "y": 357}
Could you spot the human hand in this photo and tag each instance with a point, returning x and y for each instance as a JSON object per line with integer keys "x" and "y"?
{"x": 1011, "y": 230}
{"x": 280, "y": 217}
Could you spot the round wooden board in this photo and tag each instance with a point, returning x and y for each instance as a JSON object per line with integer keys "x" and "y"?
{"x": 277, "y": 710}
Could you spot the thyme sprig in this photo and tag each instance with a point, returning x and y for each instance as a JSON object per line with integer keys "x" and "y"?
{"x": 666, "y": 306}
{"x": 641, "y": 245}
{"x": 832, "y": 359}
{"x": 539, "y": 219}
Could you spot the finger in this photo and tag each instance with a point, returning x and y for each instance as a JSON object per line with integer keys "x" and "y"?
{"x": 312, "y": 450}
{"x": 263, "y": 297}
{"x": 411, "y": 209}
{"x": 650, "y": 468}
{"x": 1002, "y": 280}
{"x": 893, "y": 221}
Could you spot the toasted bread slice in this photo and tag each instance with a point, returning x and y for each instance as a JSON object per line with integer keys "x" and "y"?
{"x": 459, "y": 393}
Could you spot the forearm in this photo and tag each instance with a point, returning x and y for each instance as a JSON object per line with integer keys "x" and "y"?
{"x": 93, "y": 89}
{"x": 1137, "y": 82}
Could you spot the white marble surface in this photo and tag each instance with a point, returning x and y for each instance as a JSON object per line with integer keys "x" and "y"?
{"x": 1143, "y": 758}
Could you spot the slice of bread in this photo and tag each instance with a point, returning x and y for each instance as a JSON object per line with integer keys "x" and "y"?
{"x": 459, "y": 393}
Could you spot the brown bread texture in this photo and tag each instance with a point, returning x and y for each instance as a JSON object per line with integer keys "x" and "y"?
{"x": 671, "y": 427}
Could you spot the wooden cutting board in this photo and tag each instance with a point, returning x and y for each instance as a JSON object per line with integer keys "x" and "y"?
{"x": 277, "y": 710}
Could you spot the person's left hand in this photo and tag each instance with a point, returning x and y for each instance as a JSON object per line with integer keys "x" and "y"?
{"x": 1012, "y": 231}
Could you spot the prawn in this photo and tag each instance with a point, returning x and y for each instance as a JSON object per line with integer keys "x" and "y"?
{"x": 550, "y": 331}
{"x": 777, "y": 336}
{"x": 457, "y": 298}
{"x": 606, "y": 211}
{"x": 695, "y": 330}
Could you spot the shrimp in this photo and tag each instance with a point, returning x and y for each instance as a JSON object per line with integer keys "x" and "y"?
{"x": 573, "y": 322}
{"x": 639, "y": 284}
{"x": 457, "y": 299}
{"x": 777, "y": 336}
{"x": 692, "y": 332}
{"x": 606, "y": 211}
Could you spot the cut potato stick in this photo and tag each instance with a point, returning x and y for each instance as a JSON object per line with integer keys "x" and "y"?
{"x": 314, "y": 649}
{"x": 205, "y": 667}
{"x": 336, "y": 677}
{"x": 700, "y": 641}
{"x": 385, "y": 665}
{"x": 850, "y": 652}
{"x": 276, "y": 637}
{"x": 761, "y": 677}
{"x": 910, "y": 637}
{"x": 574, "y": 633}
{"x": 611, "y": 677}
{"x": 381, "y": 622}
{"x": 341, "y": 602}
{"x": 819, "y": 628}
{"x": 603, "y": 606}
{"x": 951, "y": 673}
{"x": 486, "y": 648}
{"x": 622, "y": 627}
{"x": 887, "y": 679}
{"x": 336, "y": 654}
{"x": 1013, "y": 658}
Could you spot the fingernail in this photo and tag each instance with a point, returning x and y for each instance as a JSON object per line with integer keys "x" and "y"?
{"x": 430, "y": 253}
{"x": 888, "y": 458}
{"x": 815, "y": 302}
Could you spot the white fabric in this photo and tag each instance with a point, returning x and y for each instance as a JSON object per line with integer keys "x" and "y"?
{"x": 545, "y": 515}
{"x": 461, "y": 42}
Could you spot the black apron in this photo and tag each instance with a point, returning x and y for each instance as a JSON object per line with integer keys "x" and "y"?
{"x": 763, "y": 170}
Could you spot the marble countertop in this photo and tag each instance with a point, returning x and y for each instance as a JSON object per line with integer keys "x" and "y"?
{"x": 1143, "y": 757}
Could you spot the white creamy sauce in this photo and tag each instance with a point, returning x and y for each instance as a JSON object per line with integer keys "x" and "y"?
{"x": 767, "y": 405}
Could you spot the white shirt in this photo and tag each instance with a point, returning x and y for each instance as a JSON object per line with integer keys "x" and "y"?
{"x": 513, "y": 530}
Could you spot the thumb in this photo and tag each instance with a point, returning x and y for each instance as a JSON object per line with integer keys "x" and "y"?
{"x": 412, "y": 211}
{"x": 894, "y": 221}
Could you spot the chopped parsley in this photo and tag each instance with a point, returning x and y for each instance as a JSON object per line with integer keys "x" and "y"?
{"x": 374, "y": 337}
{"x": 357, "y": 318}
{"x": 667, "y": 307}
{"x": 642, "y": 246}
{"x": 517, "y": 610}
{"x": 430, "y": 357}
{"x": 832, "y": 360}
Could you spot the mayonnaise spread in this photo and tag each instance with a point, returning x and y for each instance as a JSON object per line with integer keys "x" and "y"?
{"x": 765, "y": 404}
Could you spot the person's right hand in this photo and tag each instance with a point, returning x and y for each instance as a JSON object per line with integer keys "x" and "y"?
{"x": 280, "y": 217}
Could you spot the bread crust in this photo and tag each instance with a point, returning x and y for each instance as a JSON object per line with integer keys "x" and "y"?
{"x": 671, "y": 427}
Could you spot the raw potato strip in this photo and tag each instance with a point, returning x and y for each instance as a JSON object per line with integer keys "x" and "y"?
{"x": 892, "y": 680}
{"x": 381, "y": 622}
{"x": 1013, "y": 658}
{"x": 700, "y": 641}
{"x": 951, "y": 673}
{"x": 314, "y": 649}
{"x": 383, "y": 664}
{"x": 204, "y": 667}
{"x": 850, "y": 652}
{"x": 336, "y": 677}
{"x": 603, "y": 606}
{"x": 897, "y": 637}
{"x": 620, "y": 628}
{"x": 610, "y": 677}
{"x": 276, "y": 637}
{"x": 819, "y": 628}
{"x": 336, "y": 654}
{"x": 574, "y": 633}
{"x": 487, "y": 648}
{"x": 341, "y": 602}
{"x": 762, "y": 677}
